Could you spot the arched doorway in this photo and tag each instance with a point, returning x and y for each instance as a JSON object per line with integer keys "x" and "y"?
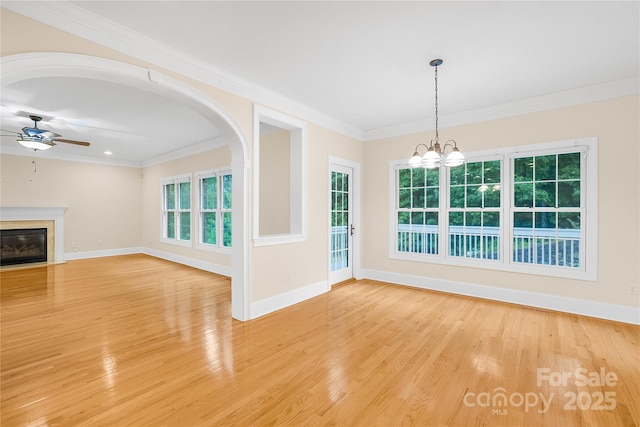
{"x": 34, "y": 65}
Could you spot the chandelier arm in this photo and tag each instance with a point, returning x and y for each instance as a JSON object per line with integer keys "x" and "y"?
{"x": 421, "y": 145}
{"x": 451, "y": 144}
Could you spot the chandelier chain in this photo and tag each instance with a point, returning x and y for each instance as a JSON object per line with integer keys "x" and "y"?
{"x": 436, "y": 80}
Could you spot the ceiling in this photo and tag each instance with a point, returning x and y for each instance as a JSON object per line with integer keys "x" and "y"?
{"x": 358, "y": 67}
{"x": 134, "y": 125}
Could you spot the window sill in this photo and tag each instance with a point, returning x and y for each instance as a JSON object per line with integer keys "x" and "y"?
{"x": 184, "y": 243}
{"x": 497, "y": 265}
{"x": 213, "y": 248}
{"x": 279, "y": 239}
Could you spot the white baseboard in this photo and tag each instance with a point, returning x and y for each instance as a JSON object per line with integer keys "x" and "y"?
{"x": 191, "y": 262}
{"x": 70, "y": 256}
{"x": 277, "y": 302}
{"x": 618, "y": 313}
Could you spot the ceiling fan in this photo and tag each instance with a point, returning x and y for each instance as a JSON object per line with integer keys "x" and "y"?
{"x": 41, "y": 139}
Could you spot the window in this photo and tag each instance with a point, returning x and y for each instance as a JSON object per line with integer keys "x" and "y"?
{"x": 176, "y": 212}
{"x": 527, "y": 209}
{"x": 474, "y": 210}
{"x": 169, "y": 212}
{"x": 340, "y": 219}
{"x": 547, "y": 209}
{"x": 215, "y": 209}
{"x": 418, "y": 207}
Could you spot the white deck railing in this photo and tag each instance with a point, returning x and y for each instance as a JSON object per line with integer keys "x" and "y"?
{"x": 536, "y": 246}
{"x": 422, "y": 239}
{"x": 547, "y": 247}
{"x": 339, "y": 247}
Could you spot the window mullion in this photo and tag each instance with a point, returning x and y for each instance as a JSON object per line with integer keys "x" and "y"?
{"x": 443, "y": 213}
{"x": 178, "y": 223}
{"x": 219, "y": 211}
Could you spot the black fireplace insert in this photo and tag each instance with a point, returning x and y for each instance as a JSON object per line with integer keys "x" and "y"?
{"x": 23, "y": 246}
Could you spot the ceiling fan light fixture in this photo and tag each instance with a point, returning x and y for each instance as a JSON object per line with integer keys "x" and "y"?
{"x": 34, "y": 144}
{"x": 38, "y": 139}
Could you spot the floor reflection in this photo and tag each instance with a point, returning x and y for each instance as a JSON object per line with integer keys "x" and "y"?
{"x": 28, "y": 282}
{"x": 177, "y": 309}
{"x": 217, "y": 348}
{"x": 110, "y": 367}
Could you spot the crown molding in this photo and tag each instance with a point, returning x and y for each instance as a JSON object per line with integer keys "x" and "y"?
{"x": 197, "y": 148}
{"x": 56, "y": 155}
{"x": 583, "y": 95}
{"x": 67, "y": 17}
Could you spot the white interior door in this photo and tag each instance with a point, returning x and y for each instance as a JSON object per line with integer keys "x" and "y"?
{"x": 341, "y": 224}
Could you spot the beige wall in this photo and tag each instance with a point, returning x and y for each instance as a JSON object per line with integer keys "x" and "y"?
{"x": 275, "y": 183}
{"x": 103, "y": 202}
{"x": 615, "y": 123}
{"x": 282, "y": 268}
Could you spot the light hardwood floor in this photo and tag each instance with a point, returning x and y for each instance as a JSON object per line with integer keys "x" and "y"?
{"x": 138, "y": 341}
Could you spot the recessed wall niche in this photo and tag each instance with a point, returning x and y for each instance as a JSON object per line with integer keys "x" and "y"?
{"x": 279, "y": 178}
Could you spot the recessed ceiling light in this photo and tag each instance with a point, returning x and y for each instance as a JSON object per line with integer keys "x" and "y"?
{"x": 108, "y": 153}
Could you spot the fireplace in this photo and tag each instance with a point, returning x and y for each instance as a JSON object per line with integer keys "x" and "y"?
{"x": 13, "y": 218}
{"x": 23, "y": 246}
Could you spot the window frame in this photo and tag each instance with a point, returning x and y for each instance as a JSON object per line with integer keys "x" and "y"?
{"x": 475, "y": 158}
{"x": 425, "y": 210}
{"x": 176, "y": 180}
{"x": 220, "y": 209}
{"x": 588, "y": 270}
{"x": 582, "y": 209}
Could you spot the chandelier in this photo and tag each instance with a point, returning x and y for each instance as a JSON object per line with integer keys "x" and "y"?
{"x": 437, "y": 154}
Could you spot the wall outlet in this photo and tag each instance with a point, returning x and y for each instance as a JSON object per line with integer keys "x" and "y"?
{"x": 633, "y": 288}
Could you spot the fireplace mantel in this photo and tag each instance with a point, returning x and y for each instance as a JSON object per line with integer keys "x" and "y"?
{"x": 55, "y": 214}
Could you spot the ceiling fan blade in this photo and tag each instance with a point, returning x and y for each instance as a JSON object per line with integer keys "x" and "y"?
{"x": 11, "y": 131}
{"x": 71, "y": 141}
